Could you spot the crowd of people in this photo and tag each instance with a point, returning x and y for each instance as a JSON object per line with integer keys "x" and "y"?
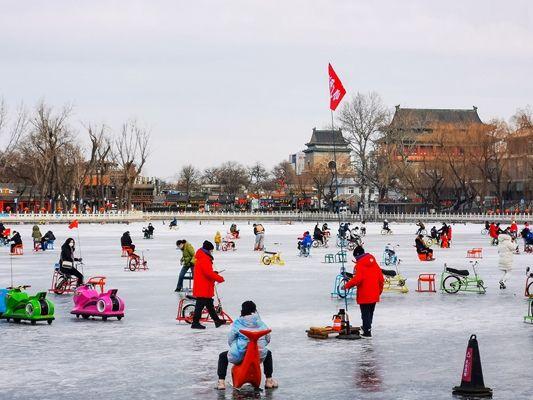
{"x": 198, "y": 267}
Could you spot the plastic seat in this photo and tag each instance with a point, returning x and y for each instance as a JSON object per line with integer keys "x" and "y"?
{"x": 389, "y": 272}
{"x": 462, "y": 272}
{"x": 190, "y": 297}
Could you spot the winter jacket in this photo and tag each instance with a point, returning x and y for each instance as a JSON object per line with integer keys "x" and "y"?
{"x": 318, "y": 234}
{"x": 218, "y": 238}
{"x": 238, "y": 342}
{"x": 513, "y": 228}
{"x": 49, "y": 236}
{"x": 67, "y": 254}
{"x": 204, "y": 276}
{"x": 368, "y": 278}
{"x": 16, "y": 239}
{"x": 420, "y": 246}
{"x": 187, "y": 258}
{"x": 125, "y": 240}
{"x": 493, "y": 231}
{"x": 259, "y": 229}
{"x": 307, "y": 241}
{"x": 506, "y": 248}
{"x": 36, "y": 234}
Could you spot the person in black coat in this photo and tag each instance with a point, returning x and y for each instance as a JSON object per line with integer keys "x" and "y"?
{"x": 47, "y": 237}
{"x": 16, "y": 239}
{"x": 125, "y": 240}
{"x": 67, "y": 259}
{"x": 421, "y": 247}
{"x": 318, "y": 234}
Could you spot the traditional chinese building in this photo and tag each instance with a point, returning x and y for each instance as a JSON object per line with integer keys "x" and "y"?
{"x": 417, "y": 133}
{"x": 324, "y": 146}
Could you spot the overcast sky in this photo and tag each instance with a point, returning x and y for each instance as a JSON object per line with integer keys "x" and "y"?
{"x": 247, "y": 80}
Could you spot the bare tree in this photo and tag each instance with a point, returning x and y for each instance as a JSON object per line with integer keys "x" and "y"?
{"x": 131, "y": 152}
{"x": 10, "y": 134}
{"x": 233, "y": 177}
{"x": 189, "y": 178}
{"x": 361, "y": 120}
{"x": 258, "y": 176}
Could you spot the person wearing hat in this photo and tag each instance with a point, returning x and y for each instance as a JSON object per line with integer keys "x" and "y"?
{"x": 250, "y": 321}
{"x": 125, "y": 241}
{"x": 204, "y": 285}
{"x": 369, "y": 281}
{"x": 187, "y": 261}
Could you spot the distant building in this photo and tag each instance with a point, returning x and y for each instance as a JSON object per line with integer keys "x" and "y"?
{"x": 325, "y": 146}
{"x": 297, "y": 161}
{"x": 411, "y": 129}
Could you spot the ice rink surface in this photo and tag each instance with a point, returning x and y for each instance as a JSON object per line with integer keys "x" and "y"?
{"x": 417, "y": 351}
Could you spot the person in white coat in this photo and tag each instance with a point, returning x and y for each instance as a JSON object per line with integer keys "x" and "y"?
{"x": 506, "y": 248}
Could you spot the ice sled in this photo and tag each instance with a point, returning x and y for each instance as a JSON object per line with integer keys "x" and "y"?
{"x": 89, "y": 303}
{"x": 249, "y": 370}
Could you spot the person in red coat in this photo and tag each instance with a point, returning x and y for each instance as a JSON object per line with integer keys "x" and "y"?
{"x": 369, "y": 281}
{"x": 204, "y": 286}
{"x": 493, "y": 233}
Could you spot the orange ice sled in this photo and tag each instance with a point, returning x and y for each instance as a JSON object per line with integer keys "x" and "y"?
{"x": 249, "y": 370}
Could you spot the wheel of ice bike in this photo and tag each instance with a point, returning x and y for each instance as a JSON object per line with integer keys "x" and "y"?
{"x": 529, "y": 289}
{"x": 187, "y": 312}
{"x": 133, "y": 263}
{"x": 387, "y": 261}
{"x": 60, "y": 285}
{"x": 352, "y": 246}
{"x": 484, "y": 232}
{"x": 224, "y": 247}
{"x": 451, "y": 284}
{"x": 266, "y": 260}
{"x": 341, "y": 292}
{"x": 316, "y": 243}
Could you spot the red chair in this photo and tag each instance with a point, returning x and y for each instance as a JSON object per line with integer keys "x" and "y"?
{"x": 249, "y": 370}
{"x": 425, "y": 257}
{"x": 474, "y": 253}
{"x": 18, "y": 250}
{"x": 430, "y": 279}
{"x": 126, "y": 251}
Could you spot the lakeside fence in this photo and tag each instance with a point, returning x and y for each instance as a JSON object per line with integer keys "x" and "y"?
{"x": 283, "y": 216}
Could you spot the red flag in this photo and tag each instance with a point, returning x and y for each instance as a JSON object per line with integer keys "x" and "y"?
{"x": 73, "y": 224}
{"x": 336, "y": 90}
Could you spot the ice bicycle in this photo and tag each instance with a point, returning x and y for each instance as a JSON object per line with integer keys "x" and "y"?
{"x": 338, "y": 285}
{"x": 187, "y": 305}
{"x": 454, "y": 280}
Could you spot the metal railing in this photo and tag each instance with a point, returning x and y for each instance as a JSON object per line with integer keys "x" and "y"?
{"x": 285, "y": 216}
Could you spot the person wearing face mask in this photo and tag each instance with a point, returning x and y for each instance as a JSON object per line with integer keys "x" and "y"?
{"x": 67, "y": 259}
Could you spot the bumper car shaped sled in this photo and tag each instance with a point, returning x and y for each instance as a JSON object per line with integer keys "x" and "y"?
{"x": 20, "y": 306}
{"x": 88, "y": 302}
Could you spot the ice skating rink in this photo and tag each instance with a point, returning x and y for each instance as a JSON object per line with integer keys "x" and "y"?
{"x": 417, "y": 351}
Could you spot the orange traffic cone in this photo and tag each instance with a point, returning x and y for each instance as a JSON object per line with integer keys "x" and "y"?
{"x": 472, "y": 378}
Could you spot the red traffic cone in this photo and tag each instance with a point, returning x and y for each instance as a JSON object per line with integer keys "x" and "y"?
{"x": 472, "y": 378}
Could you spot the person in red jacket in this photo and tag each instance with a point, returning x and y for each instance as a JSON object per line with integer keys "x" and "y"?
{"x": 513, "y": 230}
{"x": 493, "y": 233}
{"x": 204, "y": 286}
{"x": 369, "y": 281}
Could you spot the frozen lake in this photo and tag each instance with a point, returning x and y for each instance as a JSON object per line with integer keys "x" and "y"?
{"x": 417, "y": 350}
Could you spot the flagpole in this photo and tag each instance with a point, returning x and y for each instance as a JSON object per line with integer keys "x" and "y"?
{"x": 79, "y": 244}
{"x": 335, "y": 172}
